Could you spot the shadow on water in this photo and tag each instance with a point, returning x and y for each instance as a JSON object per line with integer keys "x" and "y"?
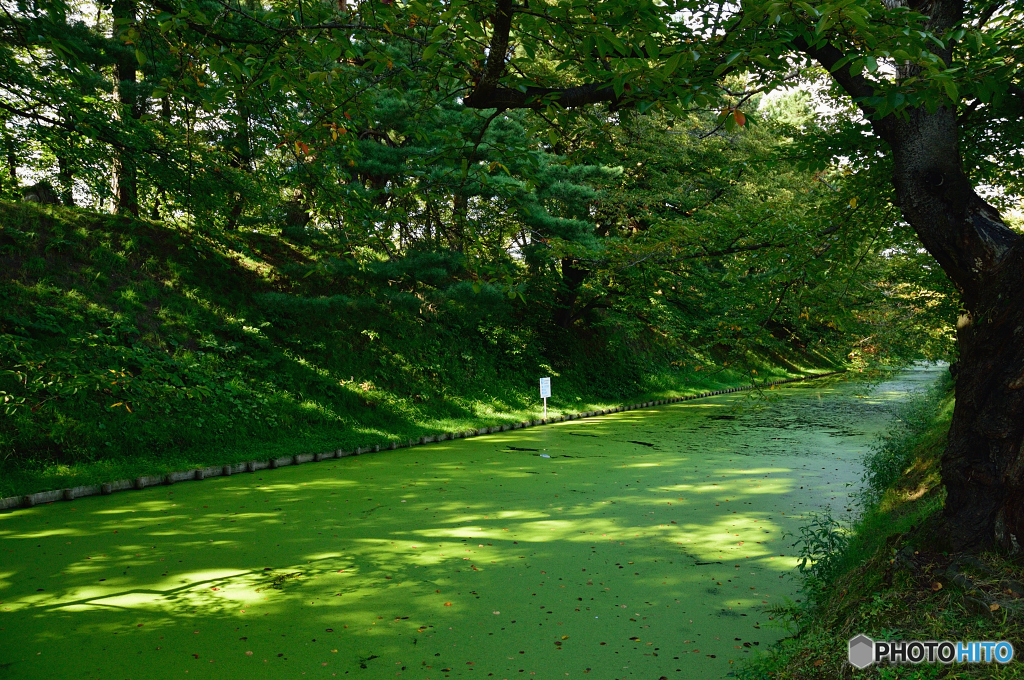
{"x": 646, "y": 544}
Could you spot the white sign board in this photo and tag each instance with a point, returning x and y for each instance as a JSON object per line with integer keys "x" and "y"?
{"x": 545, "y": 388}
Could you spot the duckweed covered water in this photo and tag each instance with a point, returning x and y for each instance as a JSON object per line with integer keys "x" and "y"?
{"x": 639, "y": 545}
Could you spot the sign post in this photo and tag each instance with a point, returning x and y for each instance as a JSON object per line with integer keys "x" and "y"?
{"x": 545, "y": 392}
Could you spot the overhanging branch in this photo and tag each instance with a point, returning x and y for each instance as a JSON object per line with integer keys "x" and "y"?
{"x": 488, "y": 94}
{"x": 540, "y": 97}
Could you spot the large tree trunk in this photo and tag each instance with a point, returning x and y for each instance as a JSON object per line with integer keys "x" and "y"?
{"x": 568, "y": 293}
{"x": 125, "y": 170}
{"x": 67, "y": 180}
{"x": 458, "y": 228}
{"x": 982, "y": 467}
{"x": 11, "y": 151}
{"x": 240, "y": 157}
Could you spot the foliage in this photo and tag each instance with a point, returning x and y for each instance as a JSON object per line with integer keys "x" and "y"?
{"x": 320, "y": 118}
{"x": 822, "y": 543}
{"x": 889, "y": 461}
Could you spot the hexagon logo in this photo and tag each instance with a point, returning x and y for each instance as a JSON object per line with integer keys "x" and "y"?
{"x": 862, "y": 651}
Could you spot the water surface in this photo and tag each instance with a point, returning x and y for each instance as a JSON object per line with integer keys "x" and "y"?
{"x": 637, "y": 545}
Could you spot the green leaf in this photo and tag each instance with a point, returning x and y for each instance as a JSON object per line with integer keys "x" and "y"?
{"x": 672, "y": 64}
{"x": 951, "y": 90}
{"x": 651, "y": 46}
{"x": 620, "y": 46}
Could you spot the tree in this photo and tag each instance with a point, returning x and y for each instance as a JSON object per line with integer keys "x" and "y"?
{"x": 918, "y": 111}
{"x": 983, "y": 466}
{"x": 917, "y": 72}
{"x": 126, "y": 184}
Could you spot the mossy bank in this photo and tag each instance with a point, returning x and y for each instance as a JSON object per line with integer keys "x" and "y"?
{"x": 130, "y": 347}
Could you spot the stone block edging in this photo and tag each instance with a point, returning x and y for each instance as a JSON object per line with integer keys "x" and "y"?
{"x": 197, "y": 474}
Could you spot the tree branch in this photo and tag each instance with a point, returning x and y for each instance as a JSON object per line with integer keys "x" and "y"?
{"x": 858, "y": 87}
{"x": 487, "y": 94}
{"x": 539, "y": 97}
{"x": 498, "y": 51}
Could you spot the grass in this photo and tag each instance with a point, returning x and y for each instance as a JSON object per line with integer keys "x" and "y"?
{"x": 130, "y": 348}
{"x": 886, "y": 578}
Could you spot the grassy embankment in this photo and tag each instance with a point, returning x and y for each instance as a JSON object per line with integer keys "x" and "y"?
{"x": 888, "y": 577}
{"x": 129, "y": 347}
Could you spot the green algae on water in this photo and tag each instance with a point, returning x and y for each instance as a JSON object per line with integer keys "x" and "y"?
{"x": 641, "y": 544}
